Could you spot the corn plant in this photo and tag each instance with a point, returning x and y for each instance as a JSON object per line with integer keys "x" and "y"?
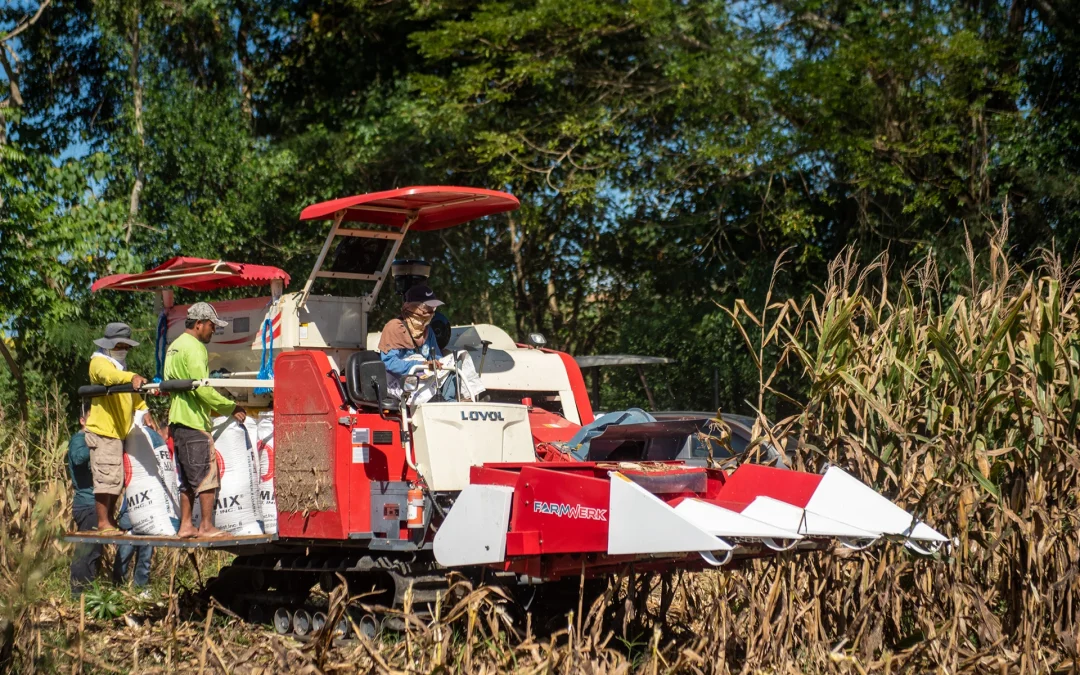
{"x": 961, "y": 406}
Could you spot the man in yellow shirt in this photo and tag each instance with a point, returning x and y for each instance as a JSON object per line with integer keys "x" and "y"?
{"x": 110, "y": 419}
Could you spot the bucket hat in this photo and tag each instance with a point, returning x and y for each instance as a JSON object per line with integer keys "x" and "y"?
{"x": 116, "y": 334}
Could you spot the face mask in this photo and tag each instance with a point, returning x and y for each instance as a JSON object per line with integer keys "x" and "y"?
{"x": 417, "y": 325}
{"x": 118, "y": 354}
{"x": 417, "y": 317}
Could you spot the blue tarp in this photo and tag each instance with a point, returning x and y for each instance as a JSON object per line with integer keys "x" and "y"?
{"x": 579, "y": 444}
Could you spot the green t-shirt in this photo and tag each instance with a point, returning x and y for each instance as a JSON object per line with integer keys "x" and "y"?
{"x": 186, "y": 360}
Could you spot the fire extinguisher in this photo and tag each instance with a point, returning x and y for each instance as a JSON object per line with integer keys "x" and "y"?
{"x": 416, "y": 508}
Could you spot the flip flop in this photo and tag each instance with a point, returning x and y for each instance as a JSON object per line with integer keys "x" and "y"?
{"x": 107, "y": 530}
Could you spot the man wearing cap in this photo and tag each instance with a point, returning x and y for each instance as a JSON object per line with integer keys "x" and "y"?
{"x": 110, "y": 419}
{"x": 189, "y": 419}
{"x": 409, "y": 335}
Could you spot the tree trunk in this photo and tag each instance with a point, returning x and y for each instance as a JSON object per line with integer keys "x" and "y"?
{"x": 522, "y": 302}
{"x": 243, "y": 69}
{"x": 137, "y": 92}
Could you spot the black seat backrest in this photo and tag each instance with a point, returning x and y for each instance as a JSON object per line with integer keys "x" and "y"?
{"x": 365, "y": 379}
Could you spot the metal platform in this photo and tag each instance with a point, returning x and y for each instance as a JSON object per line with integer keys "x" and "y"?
{"x": 90, "y": 537}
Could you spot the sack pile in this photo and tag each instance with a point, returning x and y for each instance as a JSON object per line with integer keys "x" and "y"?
{"x": 238, "y": 509}
{"x": 151, "y": 490}
{"x": 265, "y": 446}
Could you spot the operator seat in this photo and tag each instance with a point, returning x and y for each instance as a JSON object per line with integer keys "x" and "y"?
{"x": 365, "y": 381}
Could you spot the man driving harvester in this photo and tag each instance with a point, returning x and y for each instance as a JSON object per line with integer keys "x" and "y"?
{"x": 408, "y": 345}
{"x": 407, "y": 341}
{"x": 189, "y": 419}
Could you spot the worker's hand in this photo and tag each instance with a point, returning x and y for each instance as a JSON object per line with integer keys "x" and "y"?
{"x": 239, "y": 414}
{"x": 137, "y": 381}
{"x": 150, "y": 423}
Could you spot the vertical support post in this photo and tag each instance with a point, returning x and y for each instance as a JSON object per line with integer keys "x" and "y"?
{"x": 277, "y": 289}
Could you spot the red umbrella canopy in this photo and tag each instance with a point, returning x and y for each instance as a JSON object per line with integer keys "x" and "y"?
{"x": 434, "y": 207}
{"x": 193, "y": 274}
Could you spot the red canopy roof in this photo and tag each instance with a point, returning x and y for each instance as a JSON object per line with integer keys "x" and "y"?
{"x": 435, "y": 207}
{"x": 193, "y": 274}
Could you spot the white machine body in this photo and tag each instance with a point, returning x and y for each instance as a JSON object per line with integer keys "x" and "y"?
{"x": 510, "y": 367}
{"x": 449, "y": 438}
{"x": 338, "y": 327}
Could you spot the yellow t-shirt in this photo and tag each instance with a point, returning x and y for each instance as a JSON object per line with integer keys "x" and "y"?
{"x": 111, "y": 416}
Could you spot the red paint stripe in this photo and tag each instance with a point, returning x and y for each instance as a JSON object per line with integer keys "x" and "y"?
{"x": 232, "y": 342}
{"x": 751, "y": 481}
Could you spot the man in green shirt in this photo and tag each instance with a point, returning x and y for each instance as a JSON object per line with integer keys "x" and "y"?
{"x": 189, "y": 419}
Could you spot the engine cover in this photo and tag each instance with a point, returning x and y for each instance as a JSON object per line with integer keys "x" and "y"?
{"x": 450, "y": 437}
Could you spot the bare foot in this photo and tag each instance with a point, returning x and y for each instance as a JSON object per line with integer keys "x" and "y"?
{"x": 187, "y": 532}
{"x": 211, "y": 532}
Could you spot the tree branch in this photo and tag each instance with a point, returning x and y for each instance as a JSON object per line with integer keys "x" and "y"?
{"x": 27, "y": 21}
{"x": 13, "y": 78}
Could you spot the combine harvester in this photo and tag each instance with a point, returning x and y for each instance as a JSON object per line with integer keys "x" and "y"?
{"x": 393, "y": 496}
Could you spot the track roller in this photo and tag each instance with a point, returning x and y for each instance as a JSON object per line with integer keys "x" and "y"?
{"x": 282, "y": 621}
{"x": 368, "y": 626}
{"x": 318, "y": 620}
{"x": 301, "y": 622}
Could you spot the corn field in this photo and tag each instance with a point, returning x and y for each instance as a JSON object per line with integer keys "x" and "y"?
{"x": 960, "y": 402}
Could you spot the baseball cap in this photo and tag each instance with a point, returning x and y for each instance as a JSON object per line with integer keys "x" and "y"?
{"x": 423, "y": 295}
{"x": 204, "y": 311}
{"x": 116, "y": 334}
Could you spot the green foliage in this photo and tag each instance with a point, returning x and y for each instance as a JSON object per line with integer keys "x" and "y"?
{"x": 664, "y": 153}
{"x": 104, "y": 602}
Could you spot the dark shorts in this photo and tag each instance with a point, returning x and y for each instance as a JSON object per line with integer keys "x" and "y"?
{"x": 197, "y": 458}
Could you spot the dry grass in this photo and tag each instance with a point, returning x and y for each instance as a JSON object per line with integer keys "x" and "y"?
{"x": 961, "y": 405}
{"x": 33, "y": 504}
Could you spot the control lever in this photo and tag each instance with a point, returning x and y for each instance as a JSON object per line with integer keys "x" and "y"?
{"x": 483, "y": 355}
{"x": 457, "y": 368}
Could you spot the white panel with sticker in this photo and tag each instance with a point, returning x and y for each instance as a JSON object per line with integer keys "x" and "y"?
{"x": 361, "y": 450}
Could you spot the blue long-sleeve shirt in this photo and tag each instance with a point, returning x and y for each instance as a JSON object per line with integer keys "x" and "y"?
{"x": 78, "y": 459}
{"x": 395, "y": 362}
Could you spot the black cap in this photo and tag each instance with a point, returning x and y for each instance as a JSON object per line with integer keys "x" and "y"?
{"x": 422, "y": 294}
